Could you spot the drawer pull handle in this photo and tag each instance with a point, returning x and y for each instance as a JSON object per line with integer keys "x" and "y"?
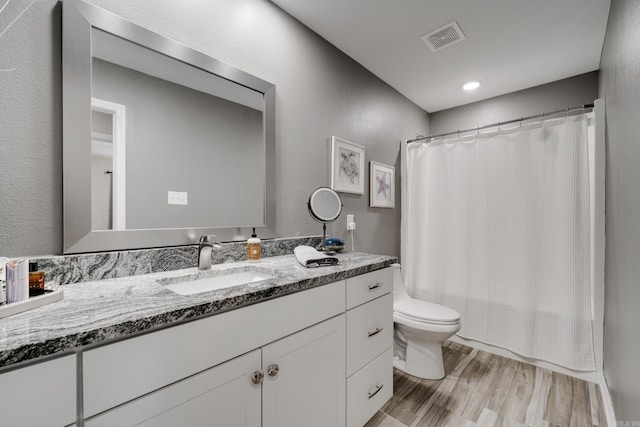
{"x": 378, "y": 388}
{"x": 375, "y": 332}
{"x": 375, "y": 286}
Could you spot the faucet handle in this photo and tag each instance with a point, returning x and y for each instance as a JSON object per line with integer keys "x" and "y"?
{"x": 207, "y": 238}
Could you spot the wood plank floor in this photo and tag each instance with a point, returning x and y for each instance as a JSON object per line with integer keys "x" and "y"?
{"x": 482, "y": 389}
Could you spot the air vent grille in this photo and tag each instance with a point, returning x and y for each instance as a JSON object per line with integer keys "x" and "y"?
{"x": 444, "y": 36}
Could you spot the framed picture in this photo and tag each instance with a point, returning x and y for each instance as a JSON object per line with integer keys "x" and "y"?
{"x": 382, "y": 186}
{"x": 347, "y": 166}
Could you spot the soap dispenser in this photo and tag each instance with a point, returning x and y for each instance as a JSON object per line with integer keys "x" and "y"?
{"x": 253, "y": 247}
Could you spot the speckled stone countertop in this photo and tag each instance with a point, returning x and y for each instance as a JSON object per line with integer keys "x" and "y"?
{"x": 104, "y": 310}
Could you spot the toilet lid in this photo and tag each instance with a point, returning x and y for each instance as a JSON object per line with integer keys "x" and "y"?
{"x": 423, "y": 311}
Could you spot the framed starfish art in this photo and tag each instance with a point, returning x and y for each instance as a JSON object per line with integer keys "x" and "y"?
{"x": 382, "y": 186}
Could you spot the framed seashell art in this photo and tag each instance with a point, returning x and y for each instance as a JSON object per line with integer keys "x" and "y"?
{"x": 347, "y": 166}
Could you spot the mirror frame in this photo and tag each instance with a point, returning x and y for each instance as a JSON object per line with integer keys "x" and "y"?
{"x": 78, "y": 19}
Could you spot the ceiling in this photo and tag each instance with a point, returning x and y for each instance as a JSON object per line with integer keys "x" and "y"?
{"x": 510, "y": 45}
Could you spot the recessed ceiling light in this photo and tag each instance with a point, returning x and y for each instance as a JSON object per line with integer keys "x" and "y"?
{"x": 471, "y": 86}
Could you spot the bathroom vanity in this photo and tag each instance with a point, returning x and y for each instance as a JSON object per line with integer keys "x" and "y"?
{"x": 307, "y": 347}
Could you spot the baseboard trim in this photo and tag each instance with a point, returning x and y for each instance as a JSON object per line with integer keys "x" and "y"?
{"x": 606, "y": 401}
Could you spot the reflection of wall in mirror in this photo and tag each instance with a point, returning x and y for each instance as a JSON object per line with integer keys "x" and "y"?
{"x": 101, "y": 123}
{"x": 101, "y": 193}
{"x": 179, "y": 139}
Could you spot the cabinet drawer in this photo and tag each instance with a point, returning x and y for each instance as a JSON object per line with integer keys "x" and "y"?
{"x": 369, "y": 389}
{"x": 156, "y": 359}
{"x": 366, "y": 287}
{"x": 369, "y": 332}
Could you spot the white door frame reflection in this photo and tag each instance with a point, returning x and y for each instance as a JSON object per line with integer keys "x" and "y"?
{"x": 117, "y": 172}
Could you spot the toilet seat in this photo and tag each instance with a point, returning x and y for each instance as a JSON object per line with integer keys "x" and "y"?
{"x": 426, "y": 312}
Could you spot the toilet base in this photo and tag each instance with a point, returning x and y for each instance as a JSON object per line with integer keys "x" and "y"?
{"x": 423, "y": 353}
{"x": 424, "y": 361}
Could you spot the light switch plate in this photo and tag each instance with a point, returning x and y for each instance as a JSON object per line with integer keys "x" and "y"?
{"x": 177, "y": 198}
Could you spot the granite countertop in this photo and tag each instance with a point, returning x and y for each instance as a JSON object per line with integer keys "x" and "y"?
{"x": 104, "y": 310}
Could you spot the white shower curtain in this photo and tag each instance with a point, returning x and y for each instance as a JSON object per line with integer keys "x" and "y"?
{"x": 496, "y": 226}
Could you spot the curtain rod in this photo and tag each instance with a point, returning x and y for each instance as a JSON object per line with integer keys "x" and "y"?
{"x": 536, "y": 116}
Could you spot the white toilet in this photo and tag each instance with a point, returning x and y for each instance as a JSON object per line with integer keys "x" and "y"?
{"x": 422, "y": 327}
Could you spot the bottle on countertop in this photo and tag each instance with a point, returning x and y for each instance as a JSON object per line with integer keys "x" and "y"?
{"x": 3, "y": 262}
{"x": 253, "y": 247}
{"x": 36, "y": 280}
{"x": 17, "y": 272}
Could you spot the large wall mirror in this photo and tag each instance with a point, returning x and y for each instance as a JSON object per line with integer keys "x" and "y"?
{"x": 161, "y": 143}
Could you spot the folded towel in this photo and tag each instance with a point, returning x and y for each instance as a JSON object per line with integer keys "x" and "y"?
{"x": 309, "y": 257}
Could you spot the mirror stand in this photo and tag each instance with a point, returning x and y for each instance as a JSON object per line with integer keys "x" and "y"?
{"x": 324, "y": 206}
{"x": 323, "y": 247}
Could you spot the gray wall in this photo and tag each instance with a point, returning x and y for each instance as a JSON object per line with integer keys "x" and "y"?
{"x": 571, "y": 92}
{"x": 320, "y": 92}
{"x": 620, "y": 86}
{"x": 101, "y": 123}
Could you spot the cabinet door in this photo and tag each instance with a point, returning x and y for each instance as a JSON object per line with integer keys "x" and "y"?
{"x": 221, "y": 396}
{"x": 309, "y": 386}
{"x": 39, "y": 395}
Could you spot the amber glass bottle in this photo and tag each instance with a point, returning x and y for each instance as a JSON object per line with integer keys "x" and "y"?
{"x": 36, "y": 280}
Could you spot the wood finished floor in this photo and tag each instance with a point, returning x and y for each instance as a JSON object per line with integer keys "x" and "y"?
{"x": 482, "y": 389}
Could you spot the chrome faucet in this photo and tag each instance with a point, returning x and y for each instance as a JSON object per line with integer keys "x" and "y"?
{"x": 205, "y": 247}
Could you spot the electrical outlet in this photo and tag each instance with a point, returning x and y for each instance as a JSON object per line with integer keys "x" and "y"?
{"x": 351, "y": 222}
{"x": 177, "y": 198}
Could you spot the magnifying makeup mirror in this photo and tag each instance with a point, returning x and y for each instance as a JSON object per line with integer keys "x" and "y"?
{"x": 324, "y": 206}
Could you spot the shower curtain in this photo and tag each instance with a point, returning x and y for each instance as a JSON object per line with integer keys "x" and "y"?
{"x": 496, "y": 226}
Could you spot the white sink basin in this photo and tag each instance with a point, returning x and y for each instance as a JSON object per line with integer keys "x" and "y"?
{"x": 207, "y": 284}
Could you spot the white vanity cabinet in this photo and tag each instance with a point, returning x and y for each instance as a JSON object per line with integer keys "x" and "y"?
{"x": 302, "y": 334}
{"x": 369, "y": 354}
{"x": 43, "y": 394}
{"x": 295, "y": 381}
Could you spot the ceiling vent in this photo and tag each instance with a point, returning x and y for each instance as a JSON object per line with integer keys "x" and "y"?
{"x": 444, "y": 36}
